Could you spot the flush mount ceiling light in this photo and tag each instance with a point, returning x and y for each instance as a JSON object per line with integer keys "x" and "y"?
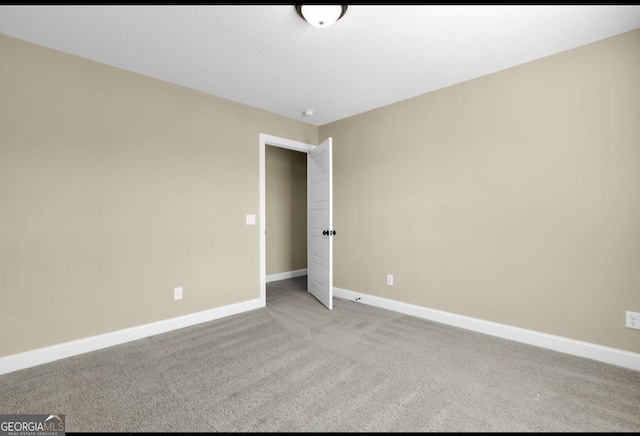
{"x": 321, "y": 15}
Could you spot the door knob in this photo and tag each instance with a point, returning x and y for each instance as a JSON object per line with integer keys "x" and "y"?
{"x": 325, "y": 232}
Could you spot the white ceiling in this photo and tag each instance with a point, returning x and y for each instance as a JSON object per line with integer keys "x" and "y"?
{"x": 267, "y": 57}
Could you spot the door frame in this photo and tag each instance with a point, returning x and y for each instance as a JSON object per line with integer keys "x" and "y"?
{"x": 274, "y": 141}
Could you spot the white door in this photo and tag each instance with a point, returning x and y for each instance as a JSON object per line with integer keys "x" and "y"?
{"x": 320, "y": 223}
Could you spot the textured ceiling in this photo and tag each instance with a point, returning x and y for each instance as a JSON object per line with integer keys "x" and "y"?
{"x": 267, "y": 57}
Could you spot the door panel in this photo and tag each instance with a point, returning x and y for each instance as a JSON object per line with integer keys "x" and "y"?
{"x": 320, "y": 210}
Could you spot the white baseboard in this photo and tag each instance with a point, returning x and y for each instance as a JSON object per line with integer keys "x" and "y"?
{"x": 39, "y": 356}
{"x": 600, "y": 353}
{"x": 286, "y": 275}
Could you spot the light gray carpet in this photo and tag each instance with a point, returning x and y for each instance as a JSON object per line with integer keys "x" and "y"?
{"x": 295, "y": 366}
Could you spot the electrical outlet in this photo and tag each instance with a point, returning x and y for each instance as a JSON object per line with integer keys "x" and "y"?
{"x": 633, "y": 320}
{"x": 389, "y": 280}
{"x": 177, "y": 293}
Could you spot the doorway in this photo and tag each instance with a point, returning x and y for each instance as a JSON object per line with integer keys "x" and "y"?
{"x": 286, "y": 214}
{"x": 319, "y": 215}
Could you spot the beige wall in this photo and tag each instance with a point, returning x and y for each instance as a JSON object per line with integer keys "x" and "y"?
{"x": 114, "y": 189}
{"x": 286, "y": 209}
{"x": 512, "y": 198}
